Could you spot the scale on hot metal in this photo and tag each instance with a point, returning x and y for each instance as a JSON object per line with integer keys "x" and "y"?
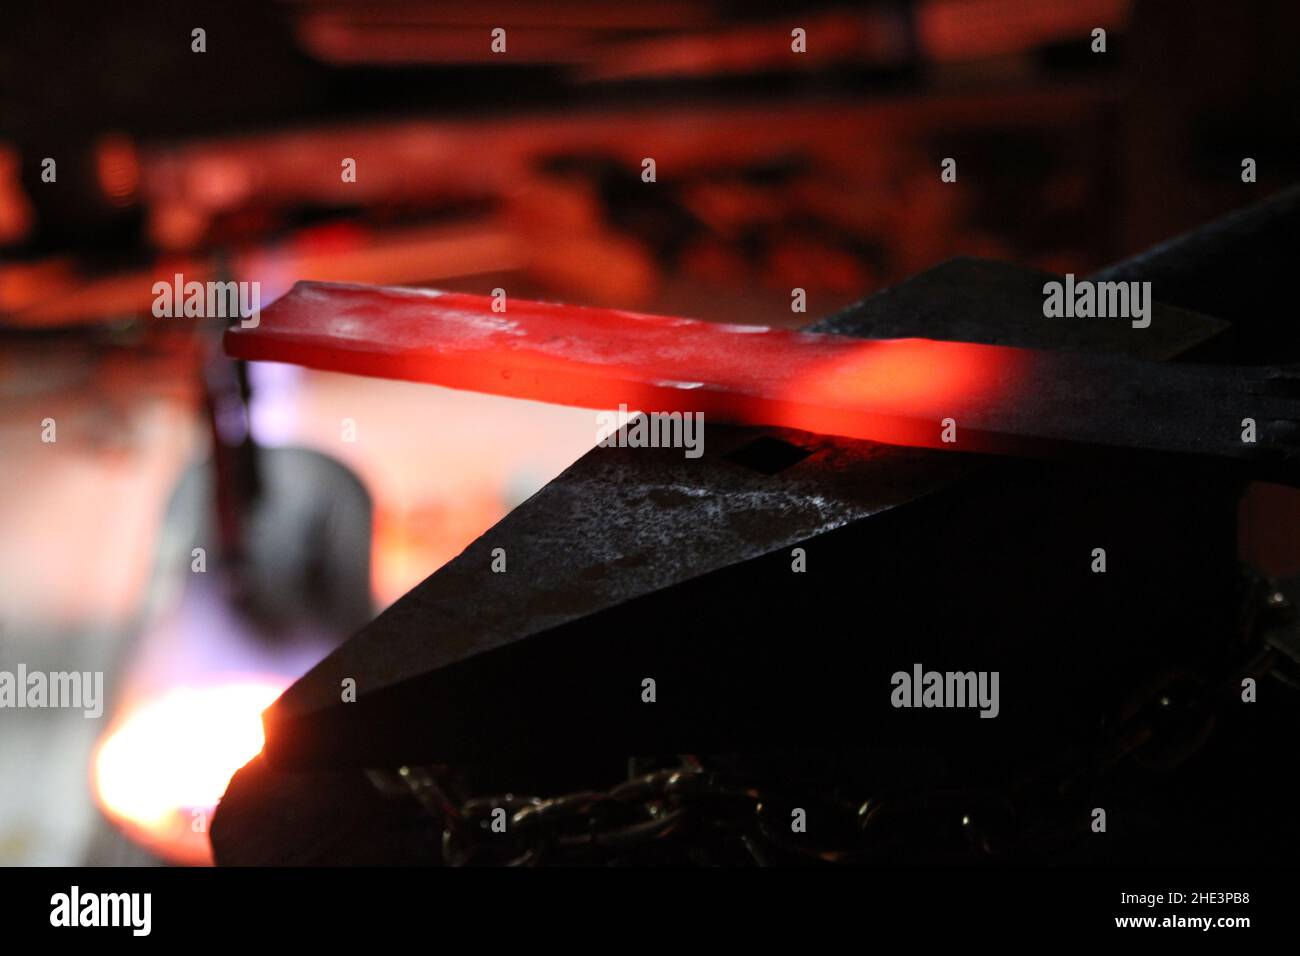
{"x": 681, "y": 650}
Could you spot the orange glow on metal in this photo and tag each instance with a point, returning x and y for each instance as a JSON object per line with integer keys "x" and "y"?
{"x": 160, "y": 770}
{"x": 898, "y": 390}
{"x": 895, "y": 391}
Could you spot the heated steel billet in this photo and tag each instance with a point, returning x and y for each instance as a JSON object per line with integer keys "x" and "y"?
{"x": 958, "y": 396}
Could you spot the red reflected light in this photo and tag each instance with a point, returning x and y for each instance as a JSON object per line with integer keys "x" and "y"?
{"x": 118, "y": 166}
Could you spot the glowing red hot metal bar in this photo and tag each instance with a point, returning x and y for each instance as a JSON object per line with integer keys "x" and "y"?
{"x": 952, "y": 395}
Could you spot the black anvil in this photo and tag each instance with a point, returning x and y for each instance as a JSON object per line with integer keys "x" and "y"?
{"x": 637, "y": 564}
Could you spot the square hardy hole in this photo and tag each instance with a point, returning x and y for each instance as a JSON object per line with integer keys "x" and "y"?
{"x": 768, "y": 455}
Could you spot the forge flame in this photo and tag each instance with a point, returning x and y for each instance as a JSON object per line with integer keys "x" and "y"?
{"x": 161, "y": 769}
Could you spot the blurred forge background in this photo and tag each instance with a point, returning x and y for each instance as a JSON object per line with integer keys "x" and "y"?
{"x": 475, "y": 170}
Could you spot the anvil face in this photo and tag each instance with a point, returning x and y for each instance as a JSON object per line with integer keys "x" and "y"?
{"x": 640, "y": 563}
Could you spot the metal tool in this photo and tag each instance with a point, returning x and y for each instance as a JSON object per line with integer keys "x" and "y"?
{"x": 961, "y": 396}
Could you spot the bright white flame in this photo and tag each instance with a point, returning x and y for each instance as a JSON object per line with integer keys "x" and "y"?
{"x": 174, "y": 755}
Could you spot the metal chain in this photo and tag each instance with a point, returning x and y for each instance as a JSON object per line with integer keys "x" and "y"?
{"x": 688, "y": 813}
